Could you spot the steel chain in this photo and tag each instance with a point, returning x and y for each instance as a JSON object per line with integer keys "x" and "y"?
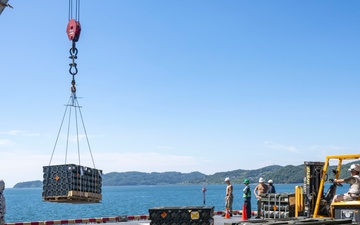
{"x": 73, "y": 55}
{"x": 73, "y": 66}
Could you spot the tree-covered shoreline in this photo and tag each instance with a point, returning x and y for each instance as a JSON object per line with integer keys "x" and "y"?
{"x": 280, "y": 174}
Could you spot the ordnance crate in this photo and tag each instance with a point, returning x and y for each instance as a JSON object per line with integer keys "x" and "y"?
{"x": 72, "y": 183}
{"x": 185, "y": 215}
{"x": 280, "y": 205}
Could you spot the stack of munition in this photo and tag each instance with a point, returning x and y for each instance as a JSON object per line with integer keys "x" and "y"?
{"x": 280, "y": 205}
{"x": 72, "y": 184}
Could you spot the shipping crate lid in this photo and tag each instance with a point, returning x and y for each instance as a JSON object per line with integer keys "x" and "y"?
{"x": 182, "y": 207}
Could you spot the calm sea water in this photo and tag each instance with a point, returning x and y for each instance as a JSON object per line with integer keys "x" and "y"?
{"x": 27, "y": 204}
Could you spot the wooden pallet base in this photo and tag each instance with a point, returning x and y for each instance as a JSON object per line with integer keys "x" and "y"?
{"x": 76, "y": 197}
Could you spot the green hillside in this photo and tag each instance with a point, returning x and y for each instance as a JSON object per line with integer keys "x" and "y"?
{"x": 154, "y": 178}
{"x": 29, "y": 184}
{"x": 280, "y": 174}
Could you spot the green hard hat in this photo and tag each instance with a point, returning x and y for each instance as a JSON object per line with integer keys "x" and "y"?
{"x": 246, "y": 181}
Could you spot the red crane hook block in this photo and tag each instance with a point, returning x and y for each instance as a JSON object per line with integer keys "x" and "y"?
{"x": 73, "y": 30}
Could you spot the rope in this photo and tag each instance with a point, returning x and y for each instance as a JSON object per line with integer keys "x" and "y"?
{"x": 70, "y": 10}
{"x": 87, "y": 139}
{"x": 73, "y": 71}
{"x": 74, "y": 103}
{"x": 73, "y": 13}
{"x": 77, "y": 131}
{"x": 57, "y": 138}
{"x": 78, "y": 10}
{"x": 67, "y": 136}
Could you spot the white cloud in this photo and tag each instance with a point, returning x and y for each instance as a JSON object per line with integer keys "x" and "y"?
{"x": 146, "y": 162}
{"x": 164, "y": 147}
{"x": 279, "y": 147}
{"x": 19, "y": 133}
{"x": 75, "y": 138}
{"x": 4, "y": 142}
{"x": 323, "y": 151}
{"x": 17, "y": 167}
{"x": 80, "y": 137}
{"x": 328, "y": 148}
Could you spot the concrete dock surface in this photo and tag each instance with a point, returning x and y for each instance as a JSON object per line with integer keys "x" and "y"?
{"x": 237, "y": 219}
{"x": 218, "y": 220}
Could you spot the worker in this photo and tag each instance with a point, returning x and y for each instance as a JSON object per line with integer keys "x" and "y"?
{"x": 354, "y": 189}
{"x": 229, "y": 196}
{"x": 261, "y": 188}
{"x": 2, "y": 203}
{"x": 247, "y": 197}
{"x": 271, "y": 186}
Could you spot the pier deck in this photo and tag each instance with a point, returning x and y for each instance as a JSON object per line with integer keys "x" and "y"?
{"x": 218, "y": 220}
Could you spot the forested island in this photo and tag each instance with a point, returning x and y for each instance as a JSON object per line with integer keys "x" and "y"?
{"x": 280, "y": 174}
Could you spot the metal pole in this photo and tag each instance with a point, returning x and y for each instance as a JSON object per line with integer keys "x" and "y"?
{"x": 204, "y": 190}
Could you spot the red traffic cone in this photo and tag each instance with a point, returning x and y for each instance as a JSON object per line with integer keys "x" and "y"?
{"x": 227, "y": 215}
{"x": 244, "y": 214}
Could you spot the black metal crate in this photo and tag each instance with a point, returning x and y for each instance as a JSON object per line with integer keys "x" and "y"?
{"x": 194, "y": 215}
{"x": 64, "y": 183}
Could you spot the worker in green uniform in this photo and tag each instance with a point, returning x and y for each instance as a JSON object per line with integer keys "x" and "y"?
{"x": 247, "y": 198}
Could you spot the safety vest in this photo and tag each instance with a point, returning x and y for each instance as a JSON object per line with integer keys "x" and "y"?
{"x": 247, "y": 192}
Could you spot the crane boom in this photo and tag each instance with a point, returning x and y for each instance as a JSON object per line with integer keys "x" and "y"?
{"x": 3, "y": 5}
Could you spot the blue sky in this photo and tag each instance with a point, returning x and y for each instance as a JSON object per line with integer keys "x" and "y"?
{"x": 182, "y": 86}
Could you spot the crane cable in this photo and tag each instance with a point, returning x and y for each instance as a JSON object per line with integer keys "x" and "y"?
{"x": 77, "y": 10}
{"x": 73, "y": 31}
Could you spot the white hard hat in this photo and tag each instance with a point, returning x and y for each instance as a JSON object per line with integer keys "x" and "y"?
{"x": 270, "y": 181}
{"x": 227, "y": 179}
{"x": 261, "y": 180}
{"x": 355, "y": 167}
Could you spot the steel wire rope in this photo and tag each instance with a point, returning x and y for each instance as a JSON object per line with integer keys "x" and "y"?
{"x": 70, "y": 10}
{"x": 78, "y": 10}
{"x": 57, "y": 138}
{"x": 68, "y": 133}
{"x": 88, "y": 143}
{"x": 86, "y": 136}
{"x": 77, "y": 107}
{"x": 77, "y": 128}
{"x": 71, "y": 14}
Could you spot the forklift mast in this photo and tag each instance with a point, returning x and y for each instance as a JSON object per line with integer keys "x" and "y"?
{"x": 312, "y": 182}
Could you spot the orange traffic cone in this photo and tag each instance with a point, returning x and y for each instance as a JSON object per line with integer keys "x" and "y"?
{"x": 244, "y": 214}
{"x": 227, "y": 215}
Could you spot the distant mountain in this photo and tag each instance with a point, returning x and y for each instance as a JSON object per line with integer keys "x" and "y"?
{"x": 280, "y": 174}
{"x": 287, "y": 174}
{"x": 154, "y": 178}
{"x": 29, "y": 184}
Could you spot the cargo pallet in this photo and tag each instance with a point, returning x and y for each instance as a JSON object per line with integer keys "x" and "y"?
{"x": 70, "y": 183}
{"x": 75, "y": 197}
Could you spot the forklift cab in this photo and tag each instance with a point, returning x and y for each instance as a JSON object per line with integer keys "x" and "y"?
{"x": 323, "y": 203}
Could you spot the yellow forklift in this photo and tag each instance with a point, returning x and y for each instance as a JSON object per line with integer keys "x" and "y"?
{"x": 311, "y": 200}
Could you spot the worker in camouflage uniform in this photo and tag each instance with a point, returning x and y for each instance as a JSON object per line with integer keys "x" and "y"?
{"x": 354, "y": 189}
